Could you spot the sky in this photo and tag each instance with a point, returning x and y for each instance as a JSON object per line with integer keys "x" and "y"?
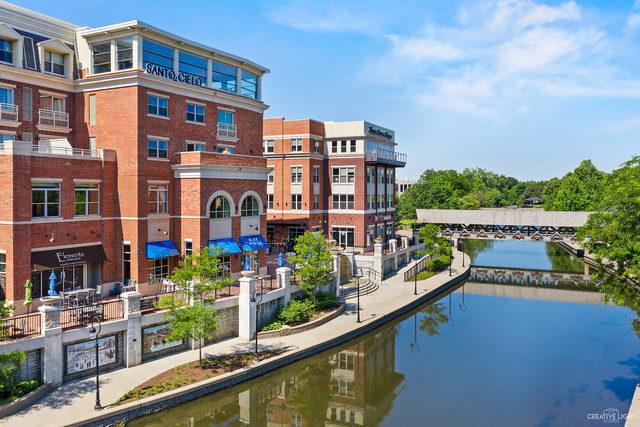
{"x": 524, "y": 88}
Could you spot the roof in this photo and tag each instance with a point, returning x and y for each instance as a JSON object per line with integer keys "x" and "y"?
{"x": 532, "y": 217}
{"x": 533, "y": 199}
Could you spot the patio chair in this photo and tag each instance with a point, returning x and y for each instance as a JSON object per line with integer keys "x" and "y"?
{"x": 116, "y": 291}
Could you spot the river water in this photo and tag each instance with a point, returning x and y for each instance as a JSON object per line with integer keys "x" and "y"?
{"x": 525, "y": 342}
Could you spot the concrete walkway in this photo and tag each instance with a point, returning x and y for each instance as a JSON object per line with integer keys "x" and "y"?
{"x": 73, "y": 402}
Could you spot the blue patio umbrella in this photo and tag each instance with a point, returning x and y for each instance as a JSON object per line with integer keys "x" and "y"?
{"x": 52, "y": 285}
{"x": 247, "y": 263}
{"x": 281, "y": 262}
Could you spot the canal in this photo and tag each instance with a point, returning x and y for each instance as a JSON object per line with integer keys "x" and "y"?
{"x": 525, "y": 341}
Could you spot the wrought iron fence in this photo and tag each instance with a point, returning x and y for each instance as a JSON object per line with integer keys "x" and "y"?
{"x": 20, "y": 326}
{"x": 415, "y": 269}
{"x": 81, "y": 316}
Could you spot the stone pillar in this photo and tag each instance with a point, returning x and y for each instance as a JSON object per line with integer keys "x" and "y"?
{"x": 52, "y": 356}
{"x": 377, "y": 257}
{"x": 393, "y": 245}
{"x": 405, "y": 242}
{"x": 246, "y": 308}
{"x": 336, "y": 273}
{"x": 249, "y": 405}
{"x": 284, "y": 281}
{"x": 132, "y": 313}
{"x": 377, "y": 249}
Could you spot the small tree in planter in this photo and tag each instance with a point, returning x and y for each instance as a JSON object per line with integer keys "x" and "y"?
{"x": 190, "y": 310}
{"x": 434, "y": 245}
{"x": 313, "y": 262}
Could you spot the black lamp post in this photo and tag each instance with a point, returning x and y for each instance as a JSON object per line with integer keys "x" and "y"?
{"x": 257, "y": 302}
{"x": 93, "y": 334}
{"x": 414, "y": 345}
{"x": 358, "y": 273}
{"x": 462, "y": 250}
{"x": 415, "y": 276}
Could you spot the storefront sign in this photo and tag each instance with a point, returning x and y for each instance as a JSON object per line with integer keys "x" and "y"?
{"x": 168, "y": 73}
{"x": 68, "y": 256}
{"x": 379, "y": 132}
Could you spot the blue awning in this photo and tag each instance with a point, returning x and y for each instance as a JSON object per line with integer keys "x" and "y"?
{"x": 228, "y": 245}
{"x": 253, "y": 243}
{"x": 161, "y": 249}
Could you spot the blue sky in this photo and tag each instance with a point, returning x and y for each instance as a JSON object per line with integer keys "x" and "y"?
{"x": 521, "y": 87}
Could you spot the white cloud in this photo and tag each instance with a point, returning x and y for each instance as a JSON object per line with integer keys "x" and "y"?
{"x": 421, "y": 49}
{"x": 633, "y": 23}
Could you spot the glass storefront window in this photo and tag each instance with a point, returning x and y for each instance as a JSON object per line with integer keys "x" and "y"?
{"x": 67, "y": 279}
{"x": 224, "y": 77}
{"x": 158, "y": 269}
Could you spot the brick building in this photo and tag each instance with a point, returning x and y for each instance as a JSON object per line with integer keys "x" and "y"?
{"x": 335, "y": 177}
{"x": 121, "y": 149}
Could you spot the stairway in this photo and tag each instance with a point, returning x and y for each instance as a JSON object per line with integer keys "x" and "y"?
{"x": 350, "y": 290}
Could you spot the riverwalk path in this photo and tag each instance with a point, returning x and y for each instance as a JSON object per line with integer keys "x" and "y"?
{"x": 73, "y": 402}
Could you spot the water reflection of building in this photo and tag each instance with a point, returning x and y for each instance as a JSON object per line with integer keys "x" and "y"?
{"x": 363, "y": 381}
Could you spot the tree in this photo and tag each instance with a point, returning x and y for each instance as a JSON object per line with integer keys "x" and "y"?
{"x": 434, "y": 245}
{"x": 579, "y": 190}
{"x": 612, "y": 235}
{"x": 190, "y": 310}
{"x": 312, "y": 259}
{"x": 9, "y": 364}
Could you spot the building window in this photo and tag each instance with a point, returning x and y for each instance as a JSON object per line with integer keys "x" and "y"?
{"x": 296, "y": 202}
{"x": 380, "y": 201}
{"x": 53, "y": 62}
{"x": 224, "y": 76}
{"x": 249, "y": 207}
{"x": 296, "y": 145}
{"x": 188, "y": 248}
{"x": 371, "y": 175}
{"x": 226, "y": 149}
{"x": 269, "y": 146}
{"x": 87, "y": 199}
{"x": 45, "y": 199}
{"x": 194, "y": 146}
{"x": 224, "y": 266}
{"x": 390, "y": 176}
{"x": 220, "y": 208}
{"x": 316, "y": 174}
{"x": 195, "y": 113}
{"x": 194, "y": 66}
{"x": 334, "y": 146}
{"x": 6, "y": 97}
{"x": 158, "y": 149}
{"x": 316, "y": 146}
{"x": 296, "y": 174}
{"x": 352, "y": 146}
{"x": 6, "y": 51}
{"x": 52, "y": 103}
{"x": 92, "y": 109}
{"x": 343, "y": 201}
{"x": 156, "y": 54}
{"x": 29, "y": 53}
{"x": 158, "y": 199}
{"x": 381, "y": 176}
{"x": 343, "y": 236}
{"x": 126, "y": 262}
{"x": 101, "y": 57}
{"x": 269, "y": 201}
{"x": 316, "y": 202}
{"x": 3, "y": 274}
{"x": 158, "y": 105}
{"x": 294, "y": 233}
{"x": 271, "y": 177}
{"x": 343, "y": 175}
{"x": 226, "y": 126}
{"x": 4, "y": 137}
{"x": 249, "y": 84}
{"x": 371, "y": 201}
{"x": 389, "y": 201}
{"x": 158, "y": 269}
{"x": 69, "y": 278}
{"x": 343, "y": 146}
{"x": 124, "y": 49}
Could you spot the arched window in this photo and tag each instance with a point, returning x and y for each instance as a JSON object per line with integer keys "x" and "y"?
{"x": 220, "y": 208}
{"x": 249, "y": 207}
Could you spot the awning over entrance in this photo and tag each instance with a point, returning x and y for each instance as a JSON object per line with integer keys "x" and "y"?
{"x": 68, "y": 256}
{"x": 253, "y": 243}
{"x": 161, "y": 249}
{"x": 227, "y": 245}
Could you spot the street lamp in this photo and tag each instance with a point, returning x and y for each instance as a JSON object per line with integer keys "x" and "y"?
{"x": 358, "y": 273}
{"x": 93, "y": 334}
{"x": 257, "y": 302}
{"x": 462, "y": 250}
{"x": 415, "y": 276}
{"x": 414, "y": 345}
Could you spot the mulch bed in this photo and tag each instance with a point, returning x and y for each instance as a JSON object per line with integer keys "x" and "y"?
{"x": 192, "y": 372}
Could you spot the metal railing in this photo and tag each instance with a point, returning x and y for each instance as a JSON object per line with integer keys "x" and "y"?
{"x": 28, "y": 148}
{"x": 227, "y": 130}
{"x": 53, "y": 118}
{"x": 385, "y": 156}
{"x": 267, "y": 283}
{"x": 416, "y": 268}
{"x": 9, "y": 112}
{"x": 81, "y": 316}
{"x": 20, "y": 326}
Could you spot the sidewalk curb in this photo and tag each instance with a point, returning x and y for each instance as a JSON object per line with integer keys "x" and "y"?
{"x": 164, "y": 401}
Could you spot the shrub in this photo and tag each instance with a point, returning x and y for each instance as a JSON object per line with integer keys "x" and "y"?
{"x": 9, "y": 364}
{"x": 273, "y": 326}
{"x": 23, "y": 387}
{"x": 297, "y": 311}
{"x": 325, "y": 301}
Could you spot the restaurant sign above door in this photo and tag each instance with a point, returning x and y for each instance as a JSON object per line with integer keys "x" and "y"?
{"x": 68, "y": 256}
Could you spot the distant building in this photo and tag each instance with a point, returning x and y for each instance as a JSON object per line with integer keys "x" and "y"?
{"x": 403, "y": 185}
{"x": 531, "y": 202}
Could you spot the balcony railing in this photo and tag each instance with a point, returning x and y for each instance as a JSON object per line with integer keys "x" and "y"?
{"x": 227, "y": 130}
{"x": 9, "y": 112}
{"x": 28, "y": 148}
{"x": 53, "y": 118}
{"x": 20, "y": 326}
{"x": 386, "y": 156}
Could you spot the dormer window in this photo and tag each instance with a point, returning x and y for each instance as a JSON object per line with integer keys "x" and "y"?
{"x": 53, "y": 63}
{"x": 6, "y": 51}
{"x": 101, "y": 53}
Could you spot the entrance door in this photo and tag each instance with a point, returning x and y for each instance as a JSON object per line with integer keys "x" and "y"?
{"x": 343, "y": 237}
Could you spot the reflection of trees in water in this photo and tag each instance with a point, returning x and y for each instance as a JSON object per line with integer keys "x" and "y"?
{"x": 621, "y": 293}
{"x": 313, "y": 392}
{"x": 432, "y": 317}
{"x": 561, "y": 260}
{"x": 473, "y": 247}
